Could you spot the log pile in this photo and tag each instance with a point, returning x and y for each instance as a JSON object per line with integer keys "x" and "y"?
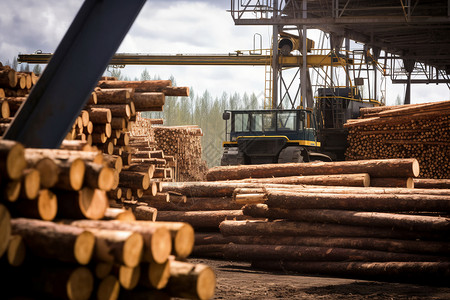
{"x": 183, "y": 142}
{"x": 408, "y": 131}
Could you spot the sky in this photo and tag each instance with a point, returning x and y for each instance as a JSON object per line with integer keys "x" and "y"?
{"x": 165, "y": 27}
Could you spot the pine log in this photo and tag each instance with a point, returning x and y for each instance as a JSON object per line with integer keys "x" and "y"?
{"x": 56, "y": 241}
{"x": 11, "y": 190}
{"x": 157, "y": 239}
{"x": 98, "y": 176}
{"x": 12, "y": 159}
{"x": 114, "y": 96}
{"x": 365, "y": 202}
{"x": 176, "y": 91}
{"x": 8, "y": 78}
{"x": 375, "y": 168}
{"x": 118, "y": 246}
{"x": 5, "y": 229}
{"x": 48, "y": 169}
{"x": 147, "y": 100}
{"x": 16, "y": 251}
{"x": 85, "y": 203}
{"x": 393, "y": 182}
{"x": 191, "y": 281}
{"x": 142, "y": 168}
{"x": 30, "y": 184}
{"x": 145, "y": 213}
{"x": 118, "y": 123}
{"x": 154, "y": 275}
{"x": 100, "y": 115}
{"x": 302, "y": 253}
{"x": 119, "y": 214}
{"x": 201, "y": 219}
{"x": 431, "y": 272}
{"x": 117, "y": 110}
{"x": 4, "y": 109}
{"x": 376, "y": 219}
{"x": 362, "y": 179}
{"x": 139, "y": 86}
{"x": 113, "y": 161}
{"x": 290, "y": 228}
{"x": 2, "y": 93}
{"x": 128, "y": 276}
{"x": 108, "y": 288}
{"x": 44, "y": 207}
{"x": 134, "y": 180}
{"x": 427, "y": 183}
{"x": 380, "y": 244}
{"x": 196, "y": 204}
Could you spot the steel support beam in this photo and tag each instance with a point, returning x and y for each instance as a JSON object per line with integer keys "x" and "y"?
{"x": 79, "y": 61}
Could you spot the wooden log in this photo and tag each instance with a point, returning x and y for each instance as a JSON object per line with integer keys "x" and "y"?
{"x": 85, "y": 203}
{"x": 8, "y": 78}
{"x": 134, "y": 180}
{"x": 142, "y": 168}
{"x": 44, "y": 207}
{"x": 290, "y": 228}
{"x": 139, "y": 86}
{"x": 147, "y": 100}
{"x": 102, "y": 269}
{"x": 12, "y": 159}
{"x": 196, "y": 204}
{"x": 146, "y": 213}
{"x": 176, "y": 91}
{"x": 11, "y": 190}
{"x": 118, "y": 123}
{"x": 375, "y": 168}
{"x": 113, "y": 161}
{"x": 362, "y": 179}
{"x": 432, "y": 272}
{"x": 5, "y": 229}
{"x": 201, "y": 219}
{"x": 302, "y": 253}
{"x": 365, "y": 202}
{"x": 128, "y": 276}
{"x": 118, "y": 246}
{"x": 56, "y": 241}
{"x": 380, "y": 244}
{"x": 427, "y": 183}
{"x": 114, "y": 96}
{"x": 393, "y": 182}
{"x": 16, "y": 251}
{"x": 4, "y": 109}
{"x": 155, "y": 276}
{"x": 157, "y": 238}
{"x": 376, "y": 219}
{"x": 108, "y": 288}
{"x": 117, "y": 110}
{"x": 191, "y": 281}
{"x": 30, "y": 184}
{"x": 99, "y": 115}
{"x": 119, "y": 214}
{"x": 99, "y": 176}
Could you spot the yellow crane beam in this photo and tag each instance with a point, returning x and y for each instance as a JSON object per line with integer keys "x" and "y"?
{"x": 232, "y": 59}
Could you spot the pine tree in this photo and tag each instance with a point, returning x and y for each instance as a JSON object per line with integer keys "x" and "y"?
{"x": 145, "y": 75}
{"x": 37, "y": 70}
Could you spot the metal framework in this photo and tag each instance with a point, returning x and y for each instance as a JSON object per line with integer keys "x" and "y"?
{"x": 413, "y": 35}
{"x": 71, "y": 75}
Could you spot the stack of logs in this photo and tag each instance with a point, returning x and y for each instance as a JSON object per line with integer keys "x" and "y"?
{"x": 418, "y": 131}
{"x": 82, "y": 256}
{"x": 354, "y": 230}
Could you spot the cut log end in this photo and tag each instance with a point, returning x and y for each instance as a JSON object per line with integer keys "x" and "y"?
{"x": 415, "y": 168}
{"x": 108, "y": 288}
{"x": 132, "y": 250}
{"x": 160, "y": 245}
{"x": 129, "y": 277}
{"x": 93, "y": 203}
{"x": 206, "y": 283}
{"x": 16, "y": 251}
{"x": 77, "y": 170}
{"x": 159, "y": 274}
{"x": 30, "y": 184}
{"x": 80, "y": 284}
{"x": 184, "y": 241}
{"x": 47, "y": 205}
{"x": 84, "y": 247}
{"x": 15, "y": 161}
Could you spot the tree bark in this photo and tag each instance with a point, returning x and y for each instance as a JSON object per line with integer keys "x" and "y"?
{"x": 427, "y": 183}
{"x": 12, "y": 159}
{"x": 139, "y": 86}
{"x": 5, "y": 229}
{"x": 114, "y": 96}
{"x": 99, "y": 115}
{"x": 406, "y": 182}
{"x": 375, "y": 168}
{"x": 147, "y": 100}
{"x": 55, "y": 241}
{"x": 362, "y": 180}
{"x": 48, "y": 169}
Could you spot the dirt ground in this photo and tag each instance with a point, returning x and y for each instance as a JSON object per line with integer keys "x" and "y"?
{"x": 236, "y": 280}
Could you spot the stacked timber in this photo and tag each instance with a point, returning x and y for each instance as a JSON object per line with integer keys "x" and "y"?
{"x": 81, "y": 256}
{"x": 361, "y": 232}
{"x": 407, "y": 131}
{"x": 183, "y": 142}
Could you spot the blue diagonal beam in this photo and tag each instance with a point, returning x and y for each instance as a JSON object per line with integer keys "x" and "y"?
{"x": 79, "y": 61}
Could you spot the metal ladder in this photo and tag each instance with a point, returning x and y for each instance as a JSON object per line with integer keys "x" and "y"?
{"x": 268, "y": 93}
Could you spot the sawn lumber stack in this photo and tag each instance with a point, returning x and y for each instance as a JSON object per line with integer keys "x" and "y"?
{"x": 418, "y": 131}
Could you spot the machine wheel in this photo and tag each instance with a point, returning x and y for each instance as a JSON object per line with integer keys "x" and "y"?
{"x": 315, "y": 156}
{"x": 291, "y": 154}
